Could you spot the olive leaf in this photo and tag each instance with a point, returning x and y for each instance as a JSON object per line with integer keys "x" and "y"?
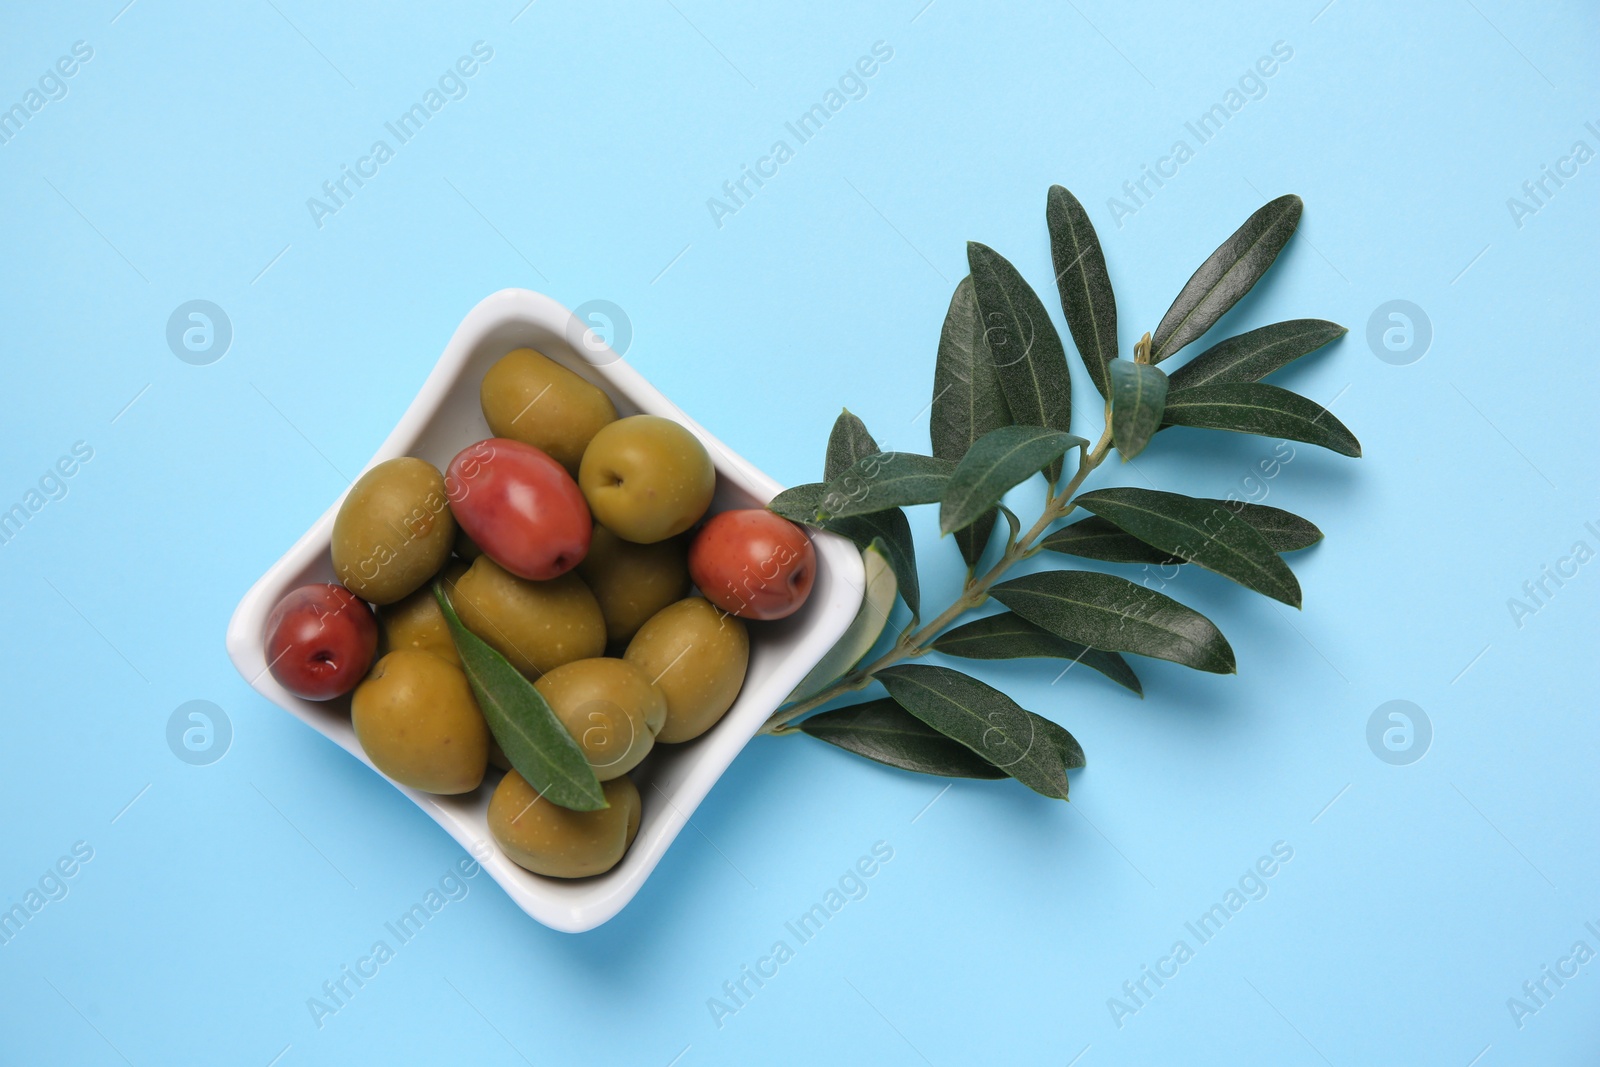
{"x": 997, "y": 462}
{"x": 967, "y": 400}
{"x": 1284, "y": 530}
{"x": 1252, "y": 356}
{"x": 1010, "y": 636}
{"x": 1138, "y": 397}
{"x": 1111, "y": 613}
{"x": 1200, "y": 531}
{"x": 1226, "y": 275}
{"x": 533, "y": 739}
{"x": 882, "y": 481}
{"x": 800, "y": 504}
{"x": 1084, "y": 284}
{"x": 1097, "y": 538}
{"x": 877, "y": 600}
{"x": 1023, "y": 344}
{"x": 1028, "y": 747}
{"x": 848, "y": 442}
{"x": 884, "y": 731}
{"x": 1255, "y": 407}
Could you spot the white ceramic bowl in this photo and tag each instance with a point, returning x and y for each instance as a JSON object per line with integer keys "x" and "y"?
{"x": 445, "y": 418}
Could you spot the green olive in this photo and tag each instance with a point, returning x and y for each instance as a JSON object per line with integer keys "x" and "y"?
{"x": 632, "y": 582}
{"x": 556, "y": 841}
{"x": 531, "y": 398}
{"x": 647, "y": 478}
{"x": 416, "y": 720}
{"x": 609, "y": 707}
{"x": 696, "y": 655}
{"x": 393, "y": 531}
{"x": 417, "y": 623}
{"x": 538, "y": 626}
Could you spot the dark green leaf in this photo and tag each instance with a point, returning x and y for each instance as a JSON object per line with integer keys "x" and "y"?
{"x": 1254, "y": 407}
{"x": 998, "y": 461}
{"x": 891, "y": 528}
{"x": 1084, "y": 282}
{"x": 800, "y": 503}
{"x": 885, "y": 480}
{"x": 1205, "y": 532}
{"x": 884, "y": 731}
{"x": 1095, "y": 538}
{"x": 1284, "y": 530}
{"x": 1023, "y": 344}
{"x": 535, "y": 742}
{"x": 1010, "y": 636}
{"x": 1111, "y": 613}
{"x": 1029, "y": 747}
{"x": 848, "y": 442}
{"x": 967, "y": 400}
{"x": 1226, "y": 275}
{"x": 1138, "y": 396}
{"x": 1254, "y": 355}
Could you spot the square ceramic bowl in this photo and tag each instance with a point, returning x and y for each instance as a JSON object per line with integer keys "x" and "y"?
{"x": 445, "y": 418}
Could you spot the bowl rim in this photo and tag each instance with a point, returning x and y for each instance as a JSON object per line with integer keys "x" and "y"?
{"x": 582, "y": 904}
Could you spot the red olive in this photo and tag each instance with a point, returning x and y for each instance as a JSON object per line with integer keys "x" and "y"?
{"x": 320, "y": 641}
{"x": 753, "y": 564}
{"x": 520, "y": 506}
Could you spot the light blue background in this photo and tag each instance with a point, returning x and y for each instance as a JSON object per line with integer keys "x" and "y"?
{"x": 178, "y": 167}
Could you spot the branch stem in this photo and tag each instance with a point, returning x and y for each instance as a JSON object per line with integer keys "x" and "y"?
{"x": 914, "y": 641}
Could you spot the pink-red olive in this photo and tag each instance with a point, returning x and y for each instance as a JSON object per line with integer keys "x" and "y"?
{"x": 753, "y": 564}
{"x": 320, "y": 641}
{"x": 520, "y": 507}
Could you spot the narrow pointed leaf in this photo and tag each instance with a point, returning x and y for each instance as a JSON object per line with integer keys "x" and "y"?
{"x": 885, "y": 480}
{"x": 967, "y": 400}
{"x": 884, "y": 731}
{"x": 1255, "y": 407}
{"x": 1284, "y": 530}
{"x": 1138, "y": 397}
{"x": 1111, "y": 613}
{"x": 893, "y": 531}
{"x": 1084, "y": 284}
{"x": 997, "y": 462}
{"x": 1204, "y": 532}
{"x": 1023, "y": 344}
{"x": 1254, "y": 355}
{"x": 1010, "y": 636}
{"x": 1226, "y": 275}
{"x": 1029, "y": 747}
{"x": 800, "y": 504}
{"x": 533, "y": 739}
{"x": 864, "y": 630}
{"x": 1096, "y": 538}
{"x": 848, "y": 442}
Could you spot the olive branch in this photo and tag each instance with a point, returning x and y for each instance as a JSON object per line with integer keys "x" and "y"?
{"x": 1001, "y": 413}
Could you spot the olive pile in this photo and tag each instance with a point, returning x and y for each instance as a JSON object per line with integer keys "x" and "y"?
{"x": 567, "y": 543}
